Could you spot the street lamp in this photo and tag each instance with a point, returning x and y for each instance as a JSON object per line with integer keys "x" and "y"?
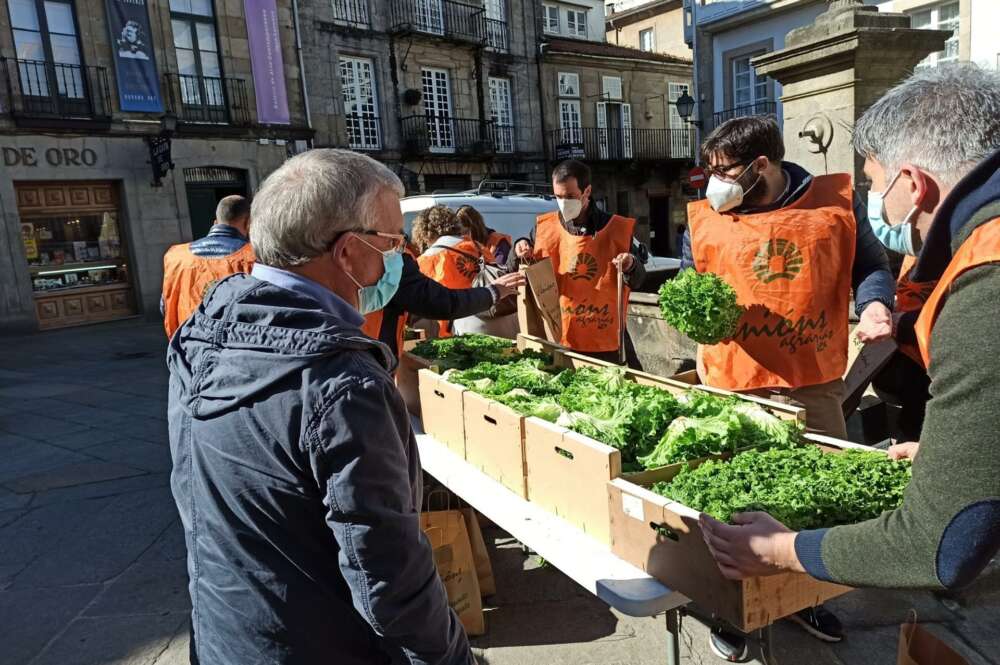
{"x": 168, "y": 124}
{"x": 685, "y": 106}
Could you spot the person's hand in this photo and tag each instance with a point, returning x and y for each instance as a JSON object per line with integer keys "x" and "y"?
{"x": 875, "y": 324}
{"x": 906, "y": 450}
{"x": 509, "y": 283}
{"x": 625, "y": 261}
{"x": 523, "y": 250}
{"x": 755, "y": 545}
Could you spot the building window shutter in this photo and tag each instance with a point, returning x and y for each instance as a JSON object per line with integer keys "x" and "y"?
{"x": 627, "y": 130}
{"x": 602, "y": 129}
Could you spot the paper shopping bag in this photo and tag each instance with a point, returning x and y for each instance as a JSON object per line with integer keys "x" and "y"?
{"x": 918, "y": 646}
{"x": 453, "y": 557}
{"x": 538, "y": 311}
{"x": 480, "y": 555}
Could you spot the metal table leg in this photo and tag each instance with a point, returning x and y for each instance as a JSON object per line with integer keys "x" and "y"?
{"x": 673, "y": 637}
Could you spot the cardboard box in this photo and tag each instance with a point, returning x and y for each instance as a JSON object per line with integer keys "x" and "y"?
{"x": 663, "y": 538}
{"x": 494, "y": 441}
{"x": 441, "y": 410}
{"x": 407, "y": 380}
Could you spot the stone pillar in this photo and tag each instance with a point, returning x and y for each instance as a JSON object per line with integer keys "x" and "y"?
{"x": 834, "y": 69}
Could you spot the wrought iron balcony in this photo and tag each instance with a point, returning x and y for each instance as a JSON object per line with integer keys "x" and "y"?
{"x": 207, "y": 99}
{"x": 448, "y": 19}
{"x": 352, "y": 12}
{"x": 496, "y": 35}
{"x": 54, "y": 91}
{"x": 611, "y": 145}
{"x": 444, "y": 135}
{"x": 757, "y": 108}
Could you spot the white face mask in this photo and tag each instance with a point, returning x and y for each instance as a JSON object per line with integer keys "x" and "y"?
{"x": 570, "y": 209}
{"x": 725, "y": 195}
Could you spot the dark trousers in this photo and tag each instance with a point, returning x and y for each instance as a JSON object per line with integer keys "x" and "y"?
{"x": 904, "y": 383}
{"x": 631, "y": 358}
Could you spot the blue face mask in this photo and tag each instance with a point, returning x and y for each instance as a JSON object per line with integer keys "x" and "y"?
{"x": 376, "y": 296}
{"x": 897, "y": 237}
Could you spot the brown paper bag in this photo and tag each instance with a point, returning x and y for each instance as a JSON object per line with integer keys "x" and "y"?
{"x": 918, "y": 646}
{"x": 480, "y": 555}
{"x": 453, "y": 557}
{"x": 543, "y": 302}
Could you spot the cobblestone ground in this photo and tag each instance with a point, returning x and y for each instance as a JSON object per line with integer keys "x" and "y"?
{"x": 92, "y": 556}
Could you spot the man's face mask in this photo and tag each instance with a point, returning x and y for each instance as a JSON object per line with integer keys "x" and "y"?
{"x": 376, "y": 296}
{"x": 725, "y": 195}
{"x": 897, "y": 237}
{"x": 570, "y": 209}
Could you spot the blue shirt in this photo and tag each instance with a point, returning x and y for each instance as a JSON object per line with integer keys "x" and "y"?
{"x": 221, "y": 240}
{"x": 328, "y": 301}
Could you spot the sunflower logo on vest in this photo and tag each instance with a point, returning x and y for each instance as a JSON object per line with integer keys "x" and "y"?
{"x": 777, "y": 259}
{"x": 467, "y": 266}
{"x": 584, "y": 266}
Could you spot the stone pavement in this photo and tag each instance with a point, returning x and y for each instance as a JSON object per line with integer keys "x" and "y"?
{"x": 92, "y": 555}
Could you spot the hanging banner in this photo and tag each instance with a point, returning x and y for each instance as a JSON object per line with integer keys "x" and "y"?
{"x": 135, "y": 62}
{"x": 266, "y": 62}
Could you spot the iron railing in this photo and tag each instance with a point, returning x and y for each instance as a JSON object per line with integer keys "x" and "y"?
{"x": 58, "y": 90}
{"x": 444, "y": 18}
{"x": 757, "y": 108}
{"x": 496, "y": 35}
{"x": 503, "y": 139}
{"x": 444, "y": 135}
{"x": 620, "y": 144}
{"x": 208, "y": 99}
{"x": 352, "y": 12}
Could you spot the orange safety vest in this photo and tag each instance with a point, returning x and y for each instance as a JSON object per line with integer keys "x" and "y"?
{"x": 186, "y": 279}
{"x": 454, "y": 269}
{"x": 981, "y": 247}
{"x": 910, "y": 297}
{"x": 791, "y": 269}
{"x": 373, "y": 326}
{"x": 494, "y": 240}
{"x": 587, "y": 279}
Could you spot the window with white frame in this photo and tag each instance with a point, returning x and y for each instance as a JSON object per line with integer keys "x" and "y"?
{"x": 646, "y": 40}
{"x": 576, "y": 23}
{"x": 680, "y": 133}
{"x": 502, "y": 114}
{"x": 550, "y": 19}
{"x": 611, "y": 87}
{"x": 942, "y": 17}
{"x": 569, "y": 121}
{"x": 357, "y": 86}
{"x": 749, "y": 88}
{"x": 569, "y": 84}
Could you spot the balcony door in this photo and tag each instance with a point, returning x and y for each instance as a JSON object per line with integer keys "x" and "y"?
{"x": 430, "y": 16}
{"x": 357, "y": 86}
{"x": 48, "y": 62}
{"x": 496, "y": 25}
{"x": 502, "y": 114}
{"x": 680, "y": 134}
{"x": 437, "y": 109}
{"x": 614, "y": 130}
{"x": 199, "y": 66}
{"x": 750, "y": 90}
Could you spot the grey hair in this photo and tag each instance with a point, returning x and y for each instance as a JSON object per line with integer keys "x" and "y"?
{"x": 303, "y": 206}
{"x": 943, "y": 119}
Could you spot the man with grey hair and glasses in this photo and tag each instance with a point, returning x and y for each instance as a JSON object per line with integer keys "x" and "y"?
{"x": 932, "y": 150}
{"x": 296, "y": 473}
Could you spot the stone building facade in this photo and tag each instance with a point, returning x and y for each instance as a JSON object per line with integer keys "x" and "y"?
{"x": 447, "y": 96}
{"x": 82, "y": 221}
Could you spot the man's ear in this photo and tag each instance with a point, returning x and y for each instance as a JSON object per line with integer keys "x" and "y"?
{"x": 920, "y": 188}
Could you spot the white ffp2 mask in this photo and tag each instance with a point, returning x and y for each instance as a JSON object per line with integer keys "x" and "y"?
{"x": 569, "y": 208}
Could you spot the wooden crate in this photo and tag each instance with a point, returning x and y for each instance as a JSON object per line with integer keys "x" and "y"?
{"x": 663, "y": 538}
{"x": 442, "y": 405}
{"x": 494, "y": 441}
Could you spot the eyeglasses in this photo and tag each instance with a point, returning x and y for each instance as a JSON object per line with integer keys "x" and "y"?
{"x": 398, "y": 239}
{"x": 722, "y": 171}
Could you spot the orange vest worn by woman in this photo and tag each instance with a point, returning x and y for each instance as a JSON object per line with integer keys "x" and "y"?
{"x": 494, "y": 240}
{"x": 187, "y": 277}
{"x": 981, "y": 247}
{"x": 454, "y": 267}
{"x": 791, "y": 269}
{"x": 910, "y": 297}
{"x": 587, "y": 278}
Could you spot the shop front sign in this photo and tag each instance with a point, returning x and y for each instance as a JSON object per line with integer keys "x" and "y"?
{"x": 31, "y": 156}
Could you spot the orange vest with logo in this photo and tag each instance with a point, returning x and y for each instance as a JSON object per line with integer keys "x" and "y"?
{"x": 791, "y": 269}
{"x": 587, "y": 279}
{"x": 187, "y": 277}
{"x": 454, "y": 268}
{"x": 910, "y": 297}
{"x": 495, "y": 239}
{"x": 373, "y": 325}
{"x": 981, "y": 247}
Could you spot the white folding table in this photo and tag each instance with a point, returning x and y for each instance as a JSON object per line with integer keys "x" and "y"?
{"x": 586, "y": 561}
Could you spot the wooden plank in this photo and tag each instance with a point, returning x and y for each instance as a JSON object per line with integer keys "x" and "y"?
{"x": 442, "y": 405}
{"x": 568, "y": 474}
{"x": 494, "y": 441}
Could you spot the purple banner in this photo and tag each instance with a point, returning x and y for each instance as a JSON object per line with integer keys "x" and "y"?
{"x": 266, "y": 62}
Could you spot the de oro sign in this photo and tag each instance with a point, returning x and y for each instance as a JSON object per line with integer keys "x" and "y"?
{"x": 52, "y": 156}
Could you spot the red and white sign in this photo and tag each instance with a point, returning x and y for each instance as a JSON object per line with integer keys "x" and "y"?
{"x": 696, "y": 177}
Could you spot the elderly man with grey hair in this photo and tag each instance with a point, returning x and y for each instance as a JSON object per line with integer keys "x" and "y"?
{"x": 295, "y": 471}
{"x": 932, "y": 150}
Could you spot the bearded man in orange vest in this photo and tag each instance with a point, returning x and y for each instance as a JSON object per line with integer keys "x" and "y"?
{"x": 588, "y": 247}
{"x": 190, "y": 269}
{"x": 932, "y": 150}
